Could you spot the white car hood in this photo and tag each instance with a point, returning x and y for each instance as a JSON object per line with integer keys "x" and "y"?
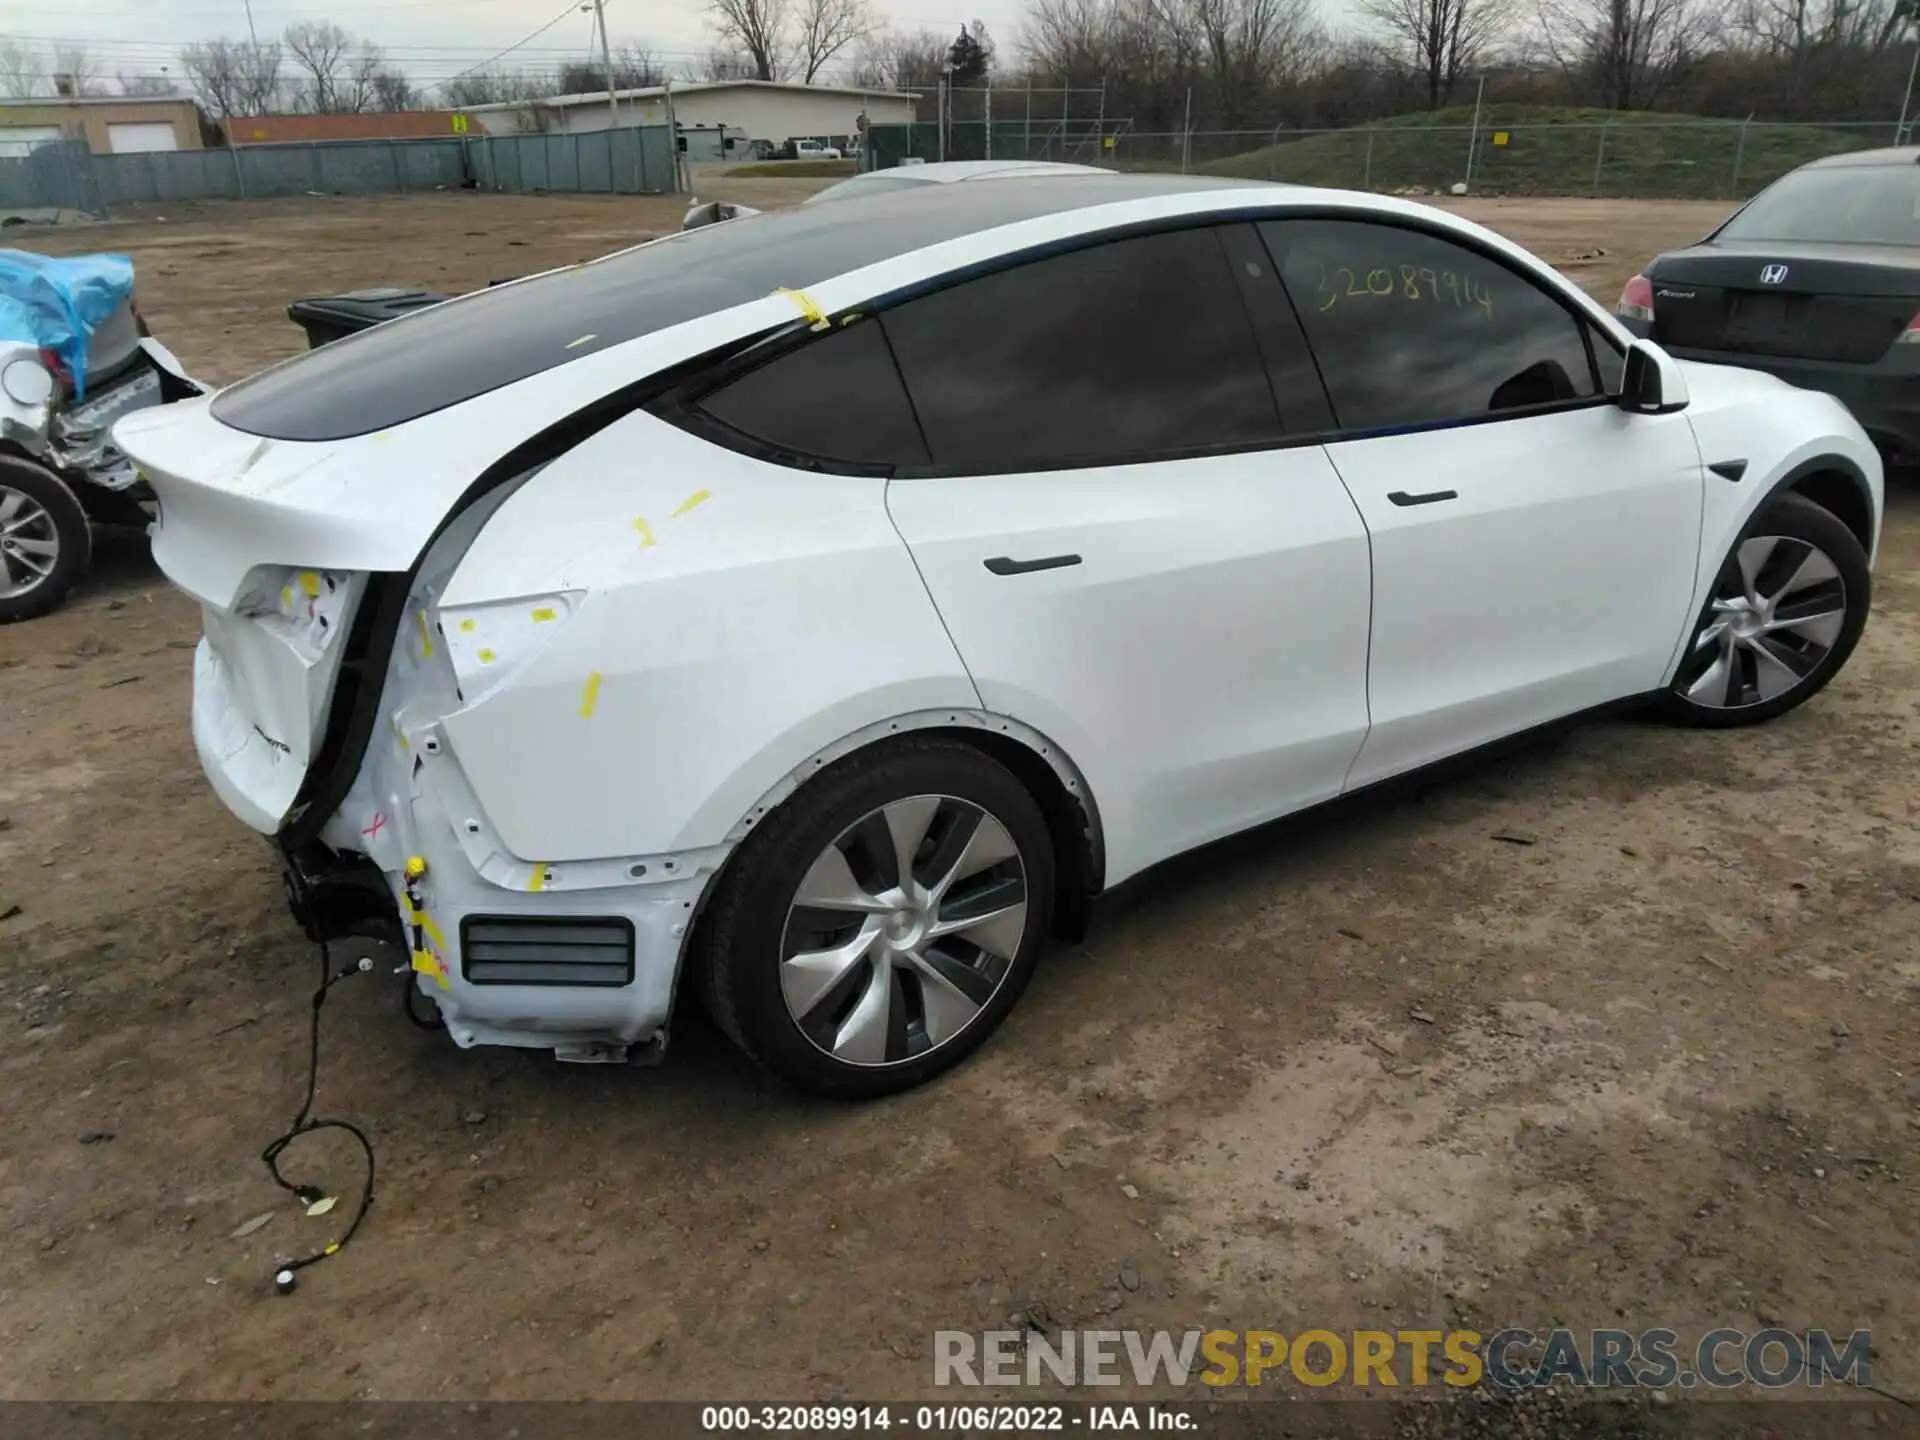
{"x": 1712, "y": 386}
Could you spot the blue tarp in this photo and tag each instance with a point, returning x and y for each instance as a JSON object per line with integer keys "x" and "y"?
{"x": 57, "y": 303}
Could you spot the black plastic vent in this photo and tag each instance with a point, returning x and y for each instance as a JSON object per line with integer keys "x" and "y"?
{"x": 546, "y": 950}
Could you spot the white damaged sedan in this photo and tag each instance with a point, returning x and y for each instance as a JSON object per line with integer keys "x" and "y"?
{"x": 814, "y": 611}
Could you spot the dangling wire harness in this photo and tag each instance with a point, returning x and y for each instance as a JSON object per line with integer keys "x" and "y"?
{"x": 305, "y": 1123}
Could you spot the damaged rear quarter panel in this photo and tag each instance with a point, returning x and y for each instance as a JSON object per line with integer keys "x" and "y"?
{"x": 736, "y": 617}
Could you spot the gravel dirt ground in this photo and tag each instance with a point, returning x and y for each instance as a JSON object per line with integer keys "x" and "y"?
{"x": 1617, "y": 1031}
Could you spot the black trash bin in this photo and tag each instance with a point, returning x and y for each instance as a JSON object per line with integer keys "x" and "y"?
{"x": 329, "y": 317}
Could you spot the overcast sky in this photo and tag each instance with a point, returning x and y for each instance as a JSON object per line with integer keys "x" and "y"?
{"x": 429, "y": 39}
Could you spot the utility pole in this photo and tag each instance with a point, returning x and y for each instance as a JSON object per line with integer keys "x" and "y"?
{"x": 1900, "y": 132}
{"x": 1473, "y": 135}
{"x": 598, "y": 8}
{"x": 673, "y": 134}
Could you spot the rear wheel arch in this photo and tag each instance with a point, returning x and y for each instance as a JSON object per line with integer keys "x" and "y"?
{"x": 1048, "y": 773}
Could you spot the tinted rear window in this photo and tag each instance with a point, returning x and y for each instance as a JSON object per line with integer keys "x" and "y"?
{"x": 1110, "y": 354}
{"x": 408, "y": 368}
{"x": 837, "y": 398}
{"x": 1848, "y": 205}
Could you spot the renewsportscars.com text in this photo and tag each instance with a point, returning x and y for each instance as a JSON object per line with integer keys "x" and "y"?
{"x": 1772, "y": 1358}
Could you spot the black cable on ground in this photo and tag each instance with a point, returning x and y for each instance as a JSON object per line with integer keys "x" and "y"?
{"x": 305, "y": 1124}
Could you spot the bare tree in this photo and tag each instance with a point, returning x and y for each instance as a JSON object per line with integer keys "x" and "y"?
{"x": 320, "y": 48}
{"x": 900, "y": 59}
{"x": 826, "y": 27}
{"x": 21, "y": 74}
{"x": 634, "y": 68}
{"x": 1623, "y": 51}
{"x": 1246, "y": 47}
{"x": 497, "y": 87}
{"x": 1443, "y": 37}
{"x": 72, "y": 59}
{"x": 393, "y": 91}
{"x": 143, "y": 85}
{"x": 725, "y": 62}
{"x": 233, "y": 77}
{"x": 757, "y": 28}
{"x": 357, "y": 84}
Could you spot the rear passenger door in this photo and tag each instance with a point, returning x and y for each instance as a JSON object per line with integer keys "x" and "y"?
{"x": 1131, "y": 546}
{"x": 1533, "y": 544}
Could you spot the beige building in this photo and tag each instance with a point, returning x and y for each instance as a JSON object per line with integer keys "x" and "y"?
{"x": 758, "y": 109}
{"x": 111, "y": 125}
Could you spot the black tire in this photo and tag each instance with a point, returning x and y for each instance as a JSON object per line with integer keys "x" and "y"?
{"x": 1792, "y": 518}
{"x": 70, "y": 530}
{"x": 745, "y": 929}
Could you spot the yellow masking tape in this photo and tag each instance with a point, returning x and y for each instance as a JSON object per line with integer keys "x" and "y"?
{"x": 646, "y": 530}
{"x": 310, "y": 583}
{"x": 487, "y": 657}
{"x": 426, "y": 637}
{"x": 537, "y": 881}
{"x": 399, "y": 734}
{"x": 428, "y": 964}
{"x": 466, "y": 627}
{"x": 544, "y": 614}
{"x": 286, "y": 597}
{"x": 591, "y": 697}
{"x": 698, "y": 497}
{"x": 816, "y": 317}
{"x": 576, "y": 344}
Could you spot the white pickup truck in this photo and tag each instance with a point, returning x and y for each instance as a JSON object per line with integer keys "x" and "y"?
{"x": 814, "y": 150}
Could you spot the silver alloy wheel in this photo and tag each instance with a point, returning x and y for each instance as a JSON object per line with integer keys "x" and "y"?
{"x": 903, "y": 930}
{"x": 1778, "y": 612}
{"x": 29, "y": 543}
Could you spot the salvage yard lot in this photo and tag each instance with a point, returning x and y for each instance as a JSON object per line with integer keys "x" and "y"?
{"x": 1620, "y": 1030}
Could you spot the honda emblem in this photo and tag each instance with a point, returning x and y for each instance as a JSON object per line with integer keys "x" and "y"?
{"x": 1773, "y": 274}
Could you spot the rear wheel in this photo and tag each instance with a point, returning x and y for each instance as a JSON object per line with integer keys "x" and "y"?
{"x": 44, "y": 540}
{"x": 883, "y": 922}
{"x": 1786, "y": 610}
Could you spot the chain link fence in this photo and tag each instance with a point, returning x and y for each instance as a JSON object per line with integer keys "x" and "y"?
{"x": 1704, "y": 159}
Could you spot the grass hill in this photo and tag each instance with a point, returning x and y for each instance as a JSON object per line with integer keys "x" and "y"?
{"x": 1549, "y": 150}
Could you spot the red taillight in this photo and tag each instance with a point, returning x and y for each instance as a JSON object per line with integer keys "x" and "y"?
{"x": 56, "y": 369}
{"x": 1636, "y": 301}
{"x": 1910, "y": 335}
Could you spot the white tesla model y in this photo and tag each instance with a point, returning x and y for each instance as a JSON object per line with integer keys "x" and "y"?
{"x": 813, "y": 611}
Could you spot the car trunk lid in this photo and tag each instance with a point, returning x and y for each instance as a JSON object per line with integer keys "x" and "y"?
{"x": 1842, "y": 303}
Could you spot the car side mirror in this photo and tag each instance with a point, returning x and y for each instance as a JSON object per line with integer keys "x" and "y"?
{"x": 1653, "y": 383}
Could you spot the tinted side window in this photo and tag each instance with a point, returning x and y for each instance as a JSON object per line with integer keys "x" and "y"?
{"x": 836, "y": 398}
{"x": 1124, "y": 350}
{"x": 1611, "y": 360}
{"x": 1410, "y": 329}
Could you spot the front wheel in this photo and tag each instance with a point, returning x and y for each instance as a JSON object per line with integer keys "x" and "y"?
{"x": 45, "y": 540}
{"x": 1786, "y": 610}
{"x": 881, "y": 923}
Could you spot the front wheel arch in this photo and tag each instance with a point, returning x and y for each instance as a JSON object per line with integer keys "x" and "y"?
{"x": 1837, "y": 486}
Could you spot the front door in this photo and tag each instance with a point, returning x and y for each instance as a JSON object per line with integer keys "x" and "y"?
{"x": 1534, "y": 545}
